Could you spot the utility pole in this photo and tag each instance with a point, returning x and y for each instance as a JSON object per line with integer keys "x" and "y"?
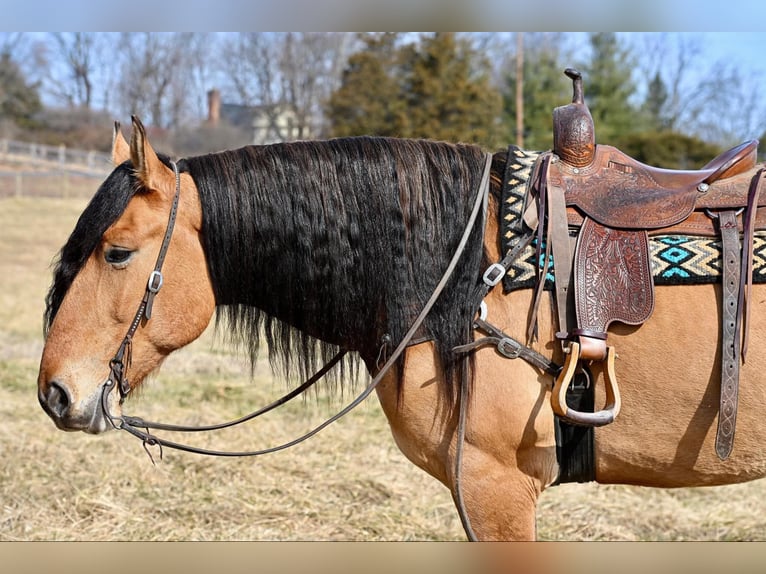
{"x": 520, "y": 89}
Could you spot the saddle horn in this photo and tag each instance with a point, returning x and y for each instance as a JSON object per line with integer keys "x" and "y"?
{"x": 574, "y": 139}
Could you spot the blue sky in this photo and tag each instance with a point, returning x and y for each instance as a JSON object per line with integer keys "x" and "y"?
{"x": 394, "y": 15}
{"x": 748, "y": 49}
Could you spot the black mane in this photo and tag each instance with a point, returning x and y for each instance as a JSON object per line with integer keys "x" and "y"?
{"x": 320, "y": 245}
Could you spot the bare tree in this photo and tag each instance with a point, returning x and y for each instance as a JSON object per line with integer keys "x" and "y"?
{"x": 28, "y": 51}
{"x": 10, "y": 42}
{"x": 672, "y": 58}
{"x": 75, "y": 57}
{"x": 201, "y": 51}
{"x": 154, "y": 76}
{"x": 734, "y": 110}
{"x": 295, "y": 69}
{"x": 707, "y": 98}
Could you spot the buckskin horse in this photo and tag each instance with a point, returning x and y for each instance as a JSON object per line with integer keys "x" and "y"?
{"x": 392, "y": 249}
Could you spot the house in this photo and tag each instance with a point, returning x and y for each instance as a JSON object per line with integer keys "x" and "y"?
{"x": 268, "y": 124}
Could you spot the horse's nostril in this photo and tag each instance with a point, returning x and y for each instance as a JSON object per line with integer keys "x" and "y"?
{"x": 57, "y": 400}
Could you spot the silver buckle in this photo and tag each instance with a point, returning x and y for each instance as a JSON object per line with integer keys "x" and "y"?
{"x": 155, "y": 282}
{"x": 494, "y": 274}
{"x": 483, "y": 311}
{"x": 509, "y": 348}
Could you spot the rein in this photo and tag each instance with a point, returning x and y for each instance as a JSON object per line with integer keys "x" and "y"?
{"x": 121, "y": 361}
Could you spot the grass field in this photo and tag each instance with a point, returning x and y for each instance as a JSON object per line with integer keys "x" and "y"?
{"x": 348, "y": 483}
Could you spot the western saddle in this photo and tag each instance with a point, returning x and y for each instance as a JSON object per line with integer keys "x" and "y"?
{"x": 614, "y": 203}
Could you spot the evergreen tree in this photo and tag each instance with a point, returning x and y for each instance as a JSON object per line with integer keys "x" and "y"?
{"x": 609, "y": 87}
{"x": 368, "y": 102}
{"x": 545, "y": 87}
{"x": 438, "y": 88}
{"x": 19, "y": 101}
{"x": 668, "y": 149}
{"x": 654, "y": 106}
{"x": 449, "y": 94}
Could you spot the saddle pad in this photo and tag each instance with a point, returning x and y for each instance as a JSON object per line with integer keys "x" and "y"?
{"x": 675, "y": 259}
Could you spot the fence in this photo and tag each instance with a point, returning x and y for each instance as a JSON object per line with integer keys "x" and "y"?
{"x": 62, "y": 184}
{"x": 37, "y": 170}
{"x": 61, "y": 156}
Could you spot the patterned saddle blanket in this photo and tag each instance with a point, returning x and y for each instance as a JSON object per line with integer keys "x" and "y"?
{"x": 676, "y": 259}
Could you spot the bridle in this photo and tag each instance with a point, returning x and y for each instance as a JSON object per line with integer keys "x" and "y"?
{"x": 120, "y": 363}
{"x": 118, "y": 366}
{"x": 138, "y": 427}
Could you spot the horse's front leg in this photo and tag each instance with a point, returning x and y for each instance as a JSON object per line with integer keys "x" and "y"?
{"x": 500, "y": 499}
{"x": 509, "y": 450}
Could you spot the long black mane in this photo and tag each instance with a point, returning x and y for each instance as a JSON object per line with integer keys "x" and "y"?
{"x": 320, "y": 245}
{"x": 316, "y": 246}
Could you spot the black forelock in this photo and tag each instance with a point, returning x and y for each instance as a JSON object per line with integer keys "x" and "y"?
{"x": 102, "y": 211}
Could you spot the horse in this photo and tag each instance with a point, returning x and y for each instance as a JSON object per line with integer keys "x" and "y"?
{"x": 315, "y": 247}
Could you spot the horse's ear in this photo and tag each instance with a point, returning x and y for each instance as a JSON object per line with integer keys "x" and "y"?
{"x": 120, "y": 147}
{"x": 147, "y": 166}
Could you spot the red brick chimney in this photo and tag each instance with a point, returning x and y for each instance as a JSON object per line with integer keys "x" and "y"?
{"x": 213, "y": 107}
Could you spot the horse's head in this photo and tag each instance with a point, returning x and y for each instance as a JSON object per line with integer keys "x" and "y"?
{"x": 102, "y": 275}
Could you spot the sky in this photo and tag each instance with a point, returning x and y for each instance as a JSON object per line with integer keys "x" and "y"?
{"x": 746, "y": 21}
{"x": 392, "y": 15}
{"x": 731, "y": 34}
{"x": 744, "y": 39}
{"x": 746, "y": 48}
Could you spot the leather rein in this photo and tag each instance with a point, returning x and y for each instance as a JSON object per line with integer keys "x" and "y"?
{"x": 140, "y": 428}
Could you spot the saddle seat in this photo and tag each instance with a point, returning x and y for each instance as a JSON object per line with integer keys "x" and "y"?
{"x": 618, "y": 191}
{"x": 614, "y": 201}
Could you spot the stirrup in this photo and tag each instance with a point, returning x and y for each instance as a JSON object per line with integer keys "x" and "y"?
{"x": 558, "y": 396}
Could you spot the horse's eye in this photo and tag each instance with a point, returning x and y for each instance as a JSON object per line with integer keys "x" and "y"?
{"x": 118, "y": 256}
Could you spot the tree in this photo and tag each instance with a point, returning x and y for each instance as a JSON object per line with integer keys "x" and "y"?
{"x": 438, "y": 88}
{"x": 668, "y": 149}
{"x": 609, "y": 87}
{"x": 153, "y": 78}
{"x": 448, "y": 92}
{"x": 544, "y": 87}
{"x": 734, "y": 110}
{"x": 73, "y": 82}
{"x": 367, "y": 101}
{"x": 298, "y": 70}
{"x": 19, "y": 100}
{"x": 673, "y": 101}
{"x": 709, "y": 98}
{"x": 654, "y": 105}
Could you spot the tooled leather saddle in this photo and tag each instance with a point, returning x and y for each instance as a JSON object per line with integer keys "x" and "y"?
{"x": 613, "y": 203}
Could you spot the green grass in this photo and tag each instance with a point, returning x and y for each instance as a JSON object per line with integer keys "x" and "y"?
{"x": 348, "y": 483}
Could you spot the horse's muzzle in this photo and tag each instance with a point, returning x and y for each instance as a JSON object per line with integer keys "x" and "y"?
{"x": 70, "y": 415}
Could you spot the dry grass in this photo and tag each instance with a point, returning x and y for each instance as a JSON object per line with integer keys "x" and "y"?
{"x": 348, "y": 483}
